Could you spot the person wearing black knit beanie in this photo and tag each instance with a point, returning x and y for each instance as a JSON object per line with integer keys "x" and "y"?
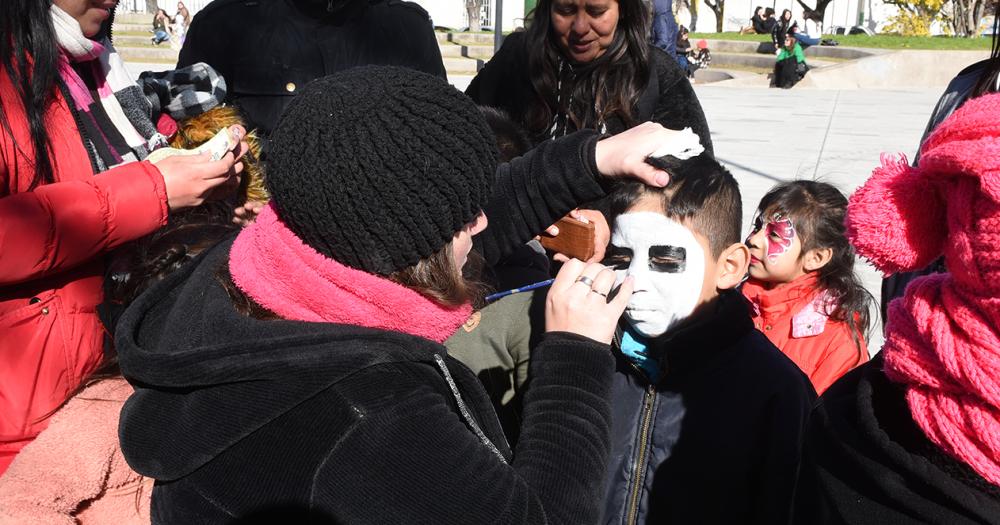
{"x": 296, "y": 371}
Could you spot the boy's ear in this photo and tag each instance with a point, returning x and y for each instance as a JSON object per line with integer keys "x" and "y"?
{"x": 732, "y": 266}
{"x": 816, "y": 258}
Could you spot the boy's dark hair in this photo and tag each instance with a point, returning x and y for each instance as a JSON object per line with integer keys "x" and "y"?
{"x": 817, "y": 211}
{"x": 512, "y": 140}
{"x": 700, "y": 190}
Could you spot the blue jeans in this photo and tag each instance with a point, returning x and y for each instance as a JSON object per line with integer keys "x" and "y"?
{"x": 160, "y": 36}
{"x": 805, "y": 40}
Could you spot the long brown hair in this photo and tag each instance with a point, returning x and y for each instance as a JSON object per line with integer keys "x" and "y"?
{"x": 608, "y": 86}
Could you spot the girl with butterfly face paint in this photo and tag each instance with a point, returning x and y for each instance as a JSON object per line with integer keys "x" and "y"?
{"x": 807, "y": 299}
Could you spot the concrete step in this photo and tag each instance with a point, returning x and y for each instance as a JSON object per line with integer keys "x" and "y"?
{"x": 827, "y": 52}
{"x": 121, "y": 27}
{"x": 159, "y": 54}
{"x": 466, "y": 38}
{"x": 455, "y": 50}
{"x": 134, "y": 40}
{"x": 758, "y": 61}
{"x": 133, "y": 18}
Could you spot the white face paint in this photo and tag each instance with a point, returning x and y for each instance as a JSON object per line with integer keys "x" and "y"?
{"x": 668, "y": 266}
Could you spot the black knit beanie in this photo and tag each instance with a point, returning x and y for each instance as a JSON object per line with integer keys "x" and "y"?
{"x": 378, "y": 167}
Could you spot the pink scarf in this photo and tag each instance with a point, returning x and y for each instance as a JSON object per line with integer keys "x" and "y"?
{"x": 944, "y": 347}
{"x": 274, "y": 267}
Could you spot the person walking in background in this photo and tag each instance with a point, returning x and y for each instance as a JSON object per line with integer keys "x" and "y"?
{"x": 73, "y": 187}
{"x": 806, "y": 297}
{"x": 182, "y": 19}
{"x": 268, "y": 51}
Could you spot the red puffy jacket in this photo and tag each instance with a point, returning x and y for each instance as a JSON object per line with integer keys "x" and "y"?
{"x": 52, "y": 246}
{"x": 795, "y": 318}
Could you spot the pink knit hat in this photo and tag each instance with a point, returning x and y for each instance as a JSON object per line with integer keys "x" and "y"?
{"x": 943, "y": 336}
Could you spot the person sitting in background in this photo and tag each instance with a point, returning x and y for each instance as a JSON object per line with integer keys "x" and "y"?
{"x": 769, "y": 21}
{"x": 790, "y": 65}
{"x": 813, "y": 30}
{"x": 161, "y": 22}
{"x": 756, "y": 22}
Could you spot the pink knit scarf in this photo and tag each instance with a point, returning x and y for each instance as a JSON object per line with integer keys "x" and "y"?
{"x": 944, "y": 347}
{"x": 274, "y": 267}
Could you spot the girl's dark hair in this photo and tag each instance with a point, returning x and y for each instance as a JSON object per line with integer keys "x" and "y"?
{"x": 768, "y": 12}
{"x": 26, "y": 31}
{"x": 987, "y": 82}
{"x": 512, "y": 141}
{"x": 817, "y": 211}
{"x": 608, "y": 86}
{"x": 786, "y": 11}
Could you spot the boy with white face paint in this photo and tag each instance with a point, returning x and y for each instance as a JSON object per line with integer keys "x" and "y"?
{"x": 707, "y": 414}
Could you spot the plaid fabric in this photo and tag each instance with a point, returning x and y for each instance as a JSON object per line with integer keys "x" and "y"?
{"x": 183, "y": 93}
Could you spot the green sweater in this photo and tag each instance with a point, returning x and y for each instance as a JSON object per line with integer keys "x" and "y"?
{"x": 797, "y": 51}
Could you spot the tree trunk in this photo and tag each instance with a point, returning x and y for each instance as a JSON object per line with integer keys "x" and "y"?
{"x": 694, "y": 16}
{"x": 965, "y": 17}
{"x": 719, "y": 8}
{"x": 151, "y": 6}
{"x": 474, "y": 8}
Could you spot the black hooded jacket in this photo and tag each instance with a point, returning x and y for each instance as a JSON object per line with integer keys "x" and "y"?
{"x": 668, "y": 97}
{"x": 865, "y": 461}
{"x": 246, "y": 420}
{"x": 717, "y": 439}
{"x": 267, "y": 50}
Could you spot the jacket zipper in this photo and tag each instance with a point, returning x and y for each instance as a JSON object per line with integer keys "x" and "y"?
{"x": 640, "y": 459}
{"x": 91, "y": 156}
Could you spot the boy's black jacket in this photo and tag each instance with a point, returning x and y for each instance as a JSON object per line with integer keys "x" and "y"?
{"x": 728, "y": 416}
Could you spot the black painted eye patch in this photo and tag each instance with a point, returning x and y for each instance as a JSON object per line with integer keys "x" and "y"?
{"x": 667, "y": 259}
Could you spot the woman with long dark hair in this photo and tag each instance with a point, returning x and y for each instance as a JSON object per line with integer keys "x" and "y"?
{"x": 73, "y": 131}
{"x": 588, "y": 64}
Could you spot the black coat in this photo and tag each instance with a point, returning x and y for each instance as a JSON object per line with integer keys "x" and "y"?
{"x": 668, "y": 99}
{"x": 267, "y": 50}
{"x": 725, "y": 424}
{"x": 279, "y": 421}
{"x": 866, "y": 461}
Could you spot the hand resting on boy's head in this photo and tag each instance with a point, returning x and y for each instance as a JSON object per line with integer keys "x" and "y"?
{"x": 624, "y": 154}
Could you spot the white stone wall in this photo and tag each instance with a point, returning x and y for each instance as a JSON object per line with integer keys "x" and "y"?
{"x": 451, "y": 13}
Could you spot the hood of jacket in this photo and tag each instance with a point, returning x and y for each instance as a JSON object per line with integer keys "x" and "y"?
{"x": 207, "y": 376}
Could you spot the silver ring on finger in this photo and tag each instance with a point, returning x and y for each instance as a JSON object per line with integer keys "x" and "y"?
{"x": 602, "y": 294}
{"x": 585, "y": 280}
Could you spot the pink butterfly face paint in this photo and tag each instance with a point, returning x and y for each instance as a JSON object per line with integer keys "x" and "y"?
{"x": 779, "y": 232}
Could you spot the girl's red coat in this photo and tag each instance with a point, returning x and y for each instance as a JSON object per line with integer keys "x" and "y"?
{"x": 53, "y": 241}
{"x": 823, "y": 348}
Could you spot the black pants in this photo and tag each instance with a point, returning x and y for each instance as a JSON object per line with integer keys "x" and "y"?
{"x": 786, "y": 73}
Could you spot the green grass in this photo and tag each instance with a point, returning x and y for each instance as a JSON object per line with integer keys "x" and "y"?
{"x": 877, "y": 41}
